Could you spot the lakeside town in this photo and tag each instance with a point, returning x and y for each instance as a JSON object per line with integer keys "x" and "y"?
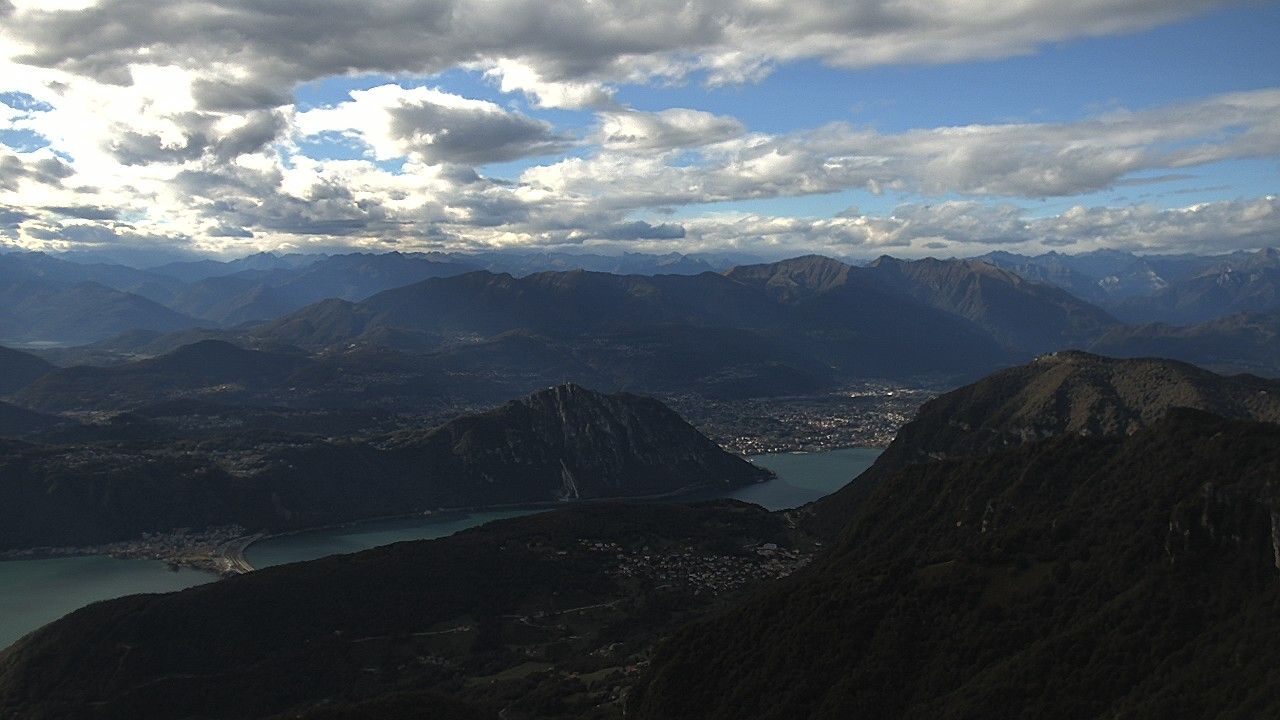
{"x": 865, "y": 415}
{"x": 218, "y": 550}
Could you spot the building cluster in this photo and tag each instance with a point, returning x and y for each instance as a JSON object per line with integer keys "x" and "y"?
{"x": 700, "y": 572}
{"x": 868, "y": 415}
{"x": 214, "y": 549}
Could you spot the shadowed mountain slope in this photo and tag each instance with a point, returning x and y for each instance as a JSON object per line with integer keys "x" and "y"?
{"x": 1068, "y": 393}
{"x": 19, "y": 369}
{"x": 562, "y": 443}
{"x": 42, "y": 311}
{"x": 1247, "y": 342}
{"x": 1074, "y": 577}
{"x": 460, "y": 615}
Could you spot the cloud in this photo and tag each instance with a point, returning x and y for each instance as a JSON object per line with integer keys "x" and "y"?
{"x": 641, "y": 230}
{"x": 200, "y": 142}
{"x": 255, "y": 131}
{"x": 253, "y": 52}
{"x": 433, "y": 126}
{"x": 41, "y": 167}
{"x": 189, "y": 135}
{"x": 669, "y": 129}
{"x": 969, "y": 228}
{"x": 514, "y": 76}
{"x": 85, "y": 212}
{"x": 1024, "y": 160}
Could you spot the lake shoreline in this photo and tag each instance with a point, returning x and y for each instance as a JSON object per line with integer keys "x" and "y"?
{"x": 444, "y": 514}
{"x": 56, "y": 583}
{"x": 229, "y": 555}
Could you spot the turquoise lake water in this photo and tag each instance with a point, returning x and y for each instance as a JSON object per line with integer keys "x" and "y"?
{"x": 35, "y": 592}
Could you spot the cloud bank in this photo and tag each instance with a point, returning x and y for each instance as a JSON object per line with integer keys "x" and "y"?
{"x": 173, "y": 124}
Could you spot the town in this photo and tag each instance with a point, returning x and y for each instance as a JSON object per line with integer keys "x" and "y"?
{"x": 700, "y": 573}
{"x": 866, "y": 415}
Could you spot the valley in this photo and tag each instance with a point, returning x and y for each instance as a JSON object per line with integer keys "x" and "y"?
{"x": 590, "y": 535}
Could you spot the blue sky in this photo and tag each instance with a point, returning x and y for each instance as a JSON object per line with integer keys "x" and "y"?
{"x": 957, "y": 127}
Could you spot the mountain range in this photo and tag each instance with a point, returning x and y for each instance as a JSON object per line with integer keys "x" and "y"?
{"x": 558, "y": 444}
{"x": 810, "y": 322}
{"x": 1071, "y": 538}
{"x": 1171, "y": 289}
{"x": 48, "y": 296}
{"x": 789, "y": 328}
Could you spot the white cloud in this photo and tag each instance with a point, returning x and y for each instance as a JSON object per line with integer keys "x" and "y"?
{"x": 669, "y": 129}
{"x": 562, "y": 53}
{"x": 1007, "y": 160}
{"x": 966, "y": 228}
{"x": 198, "y": 143}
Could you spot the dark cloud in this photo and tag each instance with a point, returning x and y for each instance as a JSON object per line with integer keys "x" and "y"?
{"x": 261, "y": 129}
{"x": 85, "y": 212}
{"x": 49, "y": 171}
{"x": 641, "y": 230}
{"x": 199, "y": 137}
{"x": 471, "y": 135}
{"x": 226, "y": 231}
{"x": 11, "y": 219}
{"x": 131, "y": 148}
{"x": 227, "y": 96}
{"x": 241, "y": 202}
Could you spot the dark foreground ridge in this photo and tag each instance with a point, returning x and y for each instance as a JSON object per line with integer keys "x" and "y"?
{"x": 564, "y": 443}
{"x": 545, "y": 616}
{"x": 1076, "y": 577}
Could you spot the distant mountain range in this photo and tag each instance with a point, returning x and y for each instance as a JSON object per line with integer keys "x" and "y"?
{"x": 48, "y": 297}
{"x": 1172, "y": 289}
{"x": 41, "y": 311}
{"x": 790, "y": 327}
{"x": 1241, "y": 283}
{"x": 1243, "y": 343}
{"x": 889, "y": 320}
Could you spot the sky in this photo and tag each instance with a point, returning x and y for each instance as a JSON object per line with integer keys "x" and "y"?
{"x": 854, "y": 128}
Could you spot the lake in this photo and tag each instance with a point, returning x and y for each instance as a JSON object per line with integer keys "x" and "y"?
{"x": 34, "y": 592}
